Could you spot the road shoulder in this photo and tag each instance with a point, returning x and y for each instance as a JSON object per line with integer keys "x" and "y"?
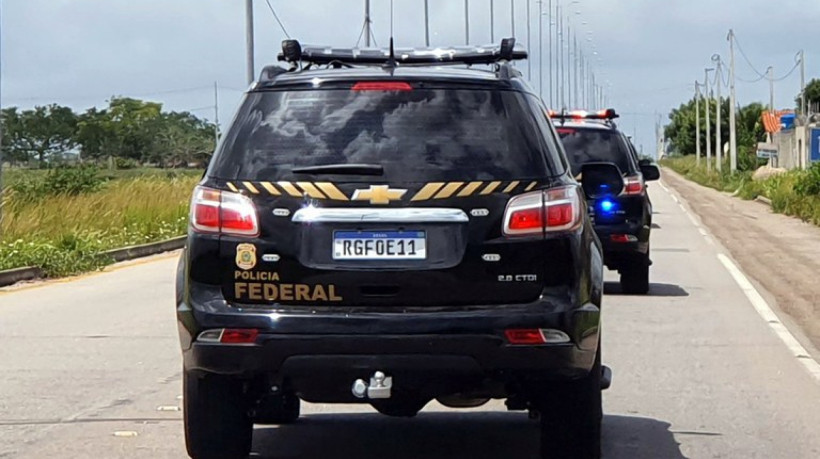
{"x": 781, "y": 254}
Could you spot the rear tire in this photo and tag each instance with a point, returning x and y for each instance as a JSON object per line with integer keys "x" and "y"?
{"x": 635, "y": 278}
{"x": 217, "y": 423}
{"x": 571, "y": 414}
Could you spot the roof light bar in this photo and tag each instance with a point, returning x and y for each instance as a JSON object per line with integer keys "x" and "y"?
{"x": 320, "y": 55}
{"x": 607, "y": 114}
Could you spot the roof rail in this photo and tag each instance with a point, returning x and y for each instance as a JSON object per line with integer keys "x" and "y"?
{"x": 294, "y": 52}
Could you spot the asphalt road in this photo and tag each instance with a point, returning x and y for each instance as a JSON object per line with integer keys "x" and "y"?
{"x": 90, "y": 369}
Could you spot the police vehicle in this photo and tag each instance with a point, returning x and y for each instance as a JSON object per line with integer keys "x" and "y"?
{"x": 623, "y": 222}
{"x": 392, "y": 227}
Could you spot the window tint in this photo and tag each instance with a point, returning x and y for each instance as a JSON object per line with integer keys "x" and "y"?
{"x": 595, "y": 145}
{"x": 418, "y": 135}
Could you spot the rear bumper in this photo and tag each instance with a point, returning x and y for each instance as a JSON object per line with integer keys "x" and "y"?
{"x": 620, "y": 252}
{"x": 354, "y": 343}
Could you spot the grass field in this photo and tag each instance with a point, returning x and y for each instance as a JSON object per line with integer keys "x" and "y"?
{"x": 794, "y": 193}
{"x": 64, "y": 233}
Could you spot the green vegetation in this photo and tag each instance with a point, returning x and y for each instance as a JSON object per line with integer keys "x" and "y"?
{"x": 62, "y": 219}
{"x": 795, "y": 193}
{"x": 127, "y": 133}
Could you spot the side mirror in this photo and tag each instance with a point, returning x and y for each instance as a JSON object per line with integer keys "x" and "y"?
{"x": 650, "y": 172}
{"x": 601, "y": 179}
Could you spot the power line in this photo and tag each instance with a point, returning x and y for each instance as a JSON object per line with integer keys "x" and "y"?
{"x": 746, "y": 58}
{"x": 797, "y": 64}
{"x": 276, "y": 16}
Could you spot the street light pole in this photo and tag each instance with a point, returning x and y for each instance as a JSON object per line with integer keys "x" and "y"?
{"x": 466, "y": 22}
{"x": 249, "y": 40}
{"x": 732, "y": 105}
{"x": 541, "y": 54}
{"x": 492, "y": 21}
{"x": 427, "y": 23}
{"x": 529, "y": 45}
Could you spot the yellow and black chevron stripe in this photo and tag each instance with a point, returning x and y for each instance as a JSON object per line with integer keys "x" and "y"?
{"x": 429, "y": 191}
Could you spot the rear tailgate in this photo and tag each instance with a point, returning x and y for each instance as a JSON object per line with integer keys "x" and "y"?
{"x": 425, "y": 229}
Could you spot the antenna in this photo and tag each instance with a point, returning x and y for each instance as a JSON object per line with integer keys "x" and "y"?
{"x": 391, "y": 61}
{"x": 391, "y": 23}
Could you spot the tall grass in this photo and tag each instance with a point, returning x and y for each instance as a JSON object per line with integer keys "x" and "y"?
{"x": 793, "y": 193}
{"x": 64, "y": 234}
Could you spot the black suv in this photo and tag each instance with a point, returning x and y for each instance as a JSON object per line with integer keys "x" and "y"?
{"x": 623, "y": 222}
{"x": 379, "y": 227}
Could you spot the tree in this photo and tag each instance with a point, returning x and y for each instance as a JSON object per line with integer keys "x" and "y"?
{"x": 812, "y": 94}
{"x": 681, "y": 129}
{"x": 40, "y": 133}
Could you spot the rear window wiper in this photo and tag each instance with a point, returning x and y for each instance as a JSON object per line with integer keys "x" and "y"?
{"x": 341, "y": 169}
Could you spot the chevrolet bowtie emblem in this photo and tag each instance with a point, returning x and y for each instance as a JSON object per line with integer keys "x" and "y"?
{"x": 378, "y": 194}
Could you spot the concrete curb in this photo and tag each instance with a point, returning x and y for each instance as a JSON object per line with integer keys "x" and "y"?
{"x": 13, "y": 276}
{"x": 144, "y": 250}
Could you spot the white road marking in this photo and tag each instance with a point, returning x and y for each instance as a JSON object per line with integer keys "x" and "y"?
{"x": 771, "y": 318}
{"x": 125, "y": 433}
{"x": 664, "y": 187}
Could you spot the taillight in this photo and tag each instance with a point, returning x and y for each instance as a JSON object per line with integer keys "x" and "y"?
{"x": 215, "y": 211}
{"x": 633, "y": 185}
{"x": 382, "y": 86}
{"x": 557, "y": 209}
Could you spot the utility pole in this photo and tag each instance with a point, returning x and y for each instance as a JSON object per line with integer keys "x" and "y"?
{"x": 367, "y": 23}
{"x": 492, "y": 21}
{"x": 770, "y": 74}
{"x": 732, "y": 105}
{"x": 552, "y": 43}
{"x": 512, "y": 17}
{"x": 249, "y": 39}
{"x": 718, "y": 141}
{"x": 427, "y": 23}
{"x": 803, "y": 110}
{"x": 561, "y": 58}
{"x": 216, "y": 114}
{"x": 708, "y": 122}
{"x": 697, "y": 123}
{"x": 541, "y": 54}
{"x": 529, "y": 47}
{"x": 575, "y": 70}
{"x": 467, "y": 22}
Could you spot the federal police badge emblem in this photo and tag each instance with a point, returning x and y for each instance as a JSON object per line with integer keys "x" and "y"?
{"x": 246, "y": 256}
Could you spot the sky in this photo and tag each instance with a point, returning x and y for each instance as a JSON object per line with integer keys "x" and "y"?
{"x": 649, "y": 52}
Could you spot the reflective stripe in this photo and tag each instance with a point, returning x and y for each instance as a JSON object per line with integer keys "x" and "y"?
{"x": 428, "y": 191}
{"x": 448, "y": 190}
{"x": 311, "y": 190}
{"x": 469, "y": 189}
{"x": 331, "y": 191}
{"x": 490, "y": 188}
{"x": 511, "y": 186}
{"x": 531, "y": 186}
{"x": 232, "y": 187}
{"x": 270, "y": 188}
{"x": 290, "y": 189}
{"x": 250, "y": 187}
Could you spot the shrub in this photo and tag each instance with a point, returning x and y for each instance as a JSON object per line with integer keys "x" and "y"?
{"x": 808, "y": 183}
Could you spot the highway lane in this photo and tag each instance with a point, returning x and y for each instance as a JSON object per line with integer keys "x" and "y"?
{"x": 90, "y": 368}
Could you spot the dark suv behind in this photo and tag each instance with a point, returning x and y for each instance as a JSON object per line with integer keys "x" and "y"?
{"x": 376, "y": 229}
{"x": 623, "y": 222}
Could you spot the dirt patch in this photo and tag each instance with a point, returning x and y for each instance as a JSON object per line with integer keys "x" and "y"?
{"x": 781, "y": 253}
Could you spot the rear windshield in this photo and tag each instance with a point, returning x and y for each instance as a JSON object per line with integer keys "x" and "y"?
{"x": 595, "y": 145}
{"x": 418, "y": 135}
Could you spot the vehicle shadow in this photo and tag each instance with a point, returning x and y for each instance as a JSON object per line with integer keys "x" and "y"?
{"x": 475, "y": 435}
{"x": 655, "y": 289}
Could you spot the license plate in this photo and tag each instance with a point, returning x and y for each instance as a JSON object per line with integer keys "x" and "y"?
{"x": 379, "y": 245}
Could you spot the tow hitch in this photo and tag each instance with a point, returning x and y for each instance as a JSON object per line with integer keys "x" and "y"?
{"x": 379, "y": 387}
